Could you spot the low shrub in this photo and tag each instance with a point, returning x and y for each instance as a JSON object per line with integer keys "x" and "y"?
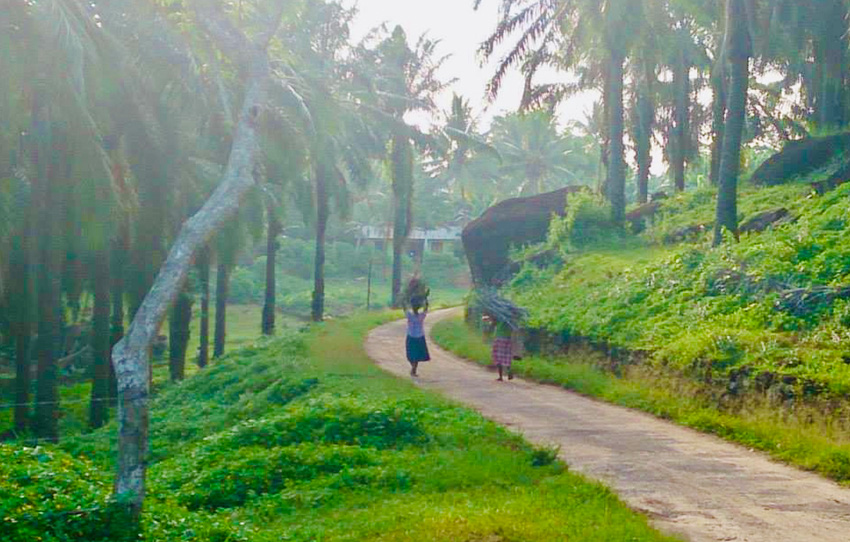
{"x": 331, "y": 420}
{"x": 48, "y": 495}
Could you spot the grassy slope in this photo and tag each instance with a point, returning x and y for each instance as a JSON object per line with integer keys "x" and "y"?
{"x": 242, "y": 330}
{"x": 719, "y": 354}
{"x": 712, "y": 314}
{"x": 302, "y": 438}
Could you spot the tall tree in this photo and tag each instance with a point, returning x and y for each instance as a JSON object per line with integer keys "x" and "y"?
{"x": 405, "y": 81}
{"x": 203, "y": 266}
{"x": 535, "y": 157}
{"x": 739, "y": 49}
{"x": 100, "y": 339}
{"x": 269, "y": 301}
{"x": 593, "y": 38}
{"x": 130, "y": 355}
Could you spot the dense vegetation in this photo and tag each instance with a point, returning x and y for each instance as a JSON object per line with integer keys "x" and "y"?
{"x": 161, "y": 156}
{"x": 302, "y": 438}
{"x": 748, "y": 340}
{"x": 765, "y": 312}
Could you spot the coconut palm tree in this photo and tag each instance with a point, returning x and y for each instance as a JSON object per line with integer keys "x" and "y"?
{"x": 593, "y": 38}
{"x": 535, "y": 157}
{"x": 401, "y": 80}
{"x": 738, "y": 47}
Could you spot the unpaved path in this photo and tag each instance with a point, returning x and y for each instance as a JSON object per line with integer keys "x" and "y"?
{"x": 690, "y": 484}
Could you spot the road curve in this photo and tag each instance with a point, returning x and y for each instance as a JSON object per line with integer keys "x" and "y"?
{"x": 690, "y": 484}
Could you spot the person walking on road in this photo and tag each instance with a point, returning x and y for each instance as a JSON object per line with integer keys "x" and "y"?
{"x": 417, "y": 348}
{"x": 502, "y": 351}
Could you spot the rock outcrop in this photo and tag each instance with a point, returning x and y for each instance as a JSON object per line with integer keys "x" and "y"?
{"x": 800, "y": 158}
{"x": 515, "y": 222}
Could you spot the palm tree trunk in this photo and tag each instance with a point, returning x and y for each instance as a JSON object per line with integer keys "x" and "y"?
{"x": 271, "y": 286}
{"x": 718, "y": 118}
{"x": 21, "y": 325}
{"x": 322, "y": 214}
{"x": 179, "y": 334}
{"x": 739, "y": 50}
{"x": 118, "y": 257}
{"x": 645, "y": 113}
{"x": 50, "y": 318}
{"x": 402, "y": 185}
{"x": 830, "y": 55}
{"x": 605, "y": 144}
{"x": 682, "y": 88}
{"x": 203, "y": 264}
{"x": 617, "y": 158}
{"x": 100, "y": 341}
{"x": 222, "y": 287}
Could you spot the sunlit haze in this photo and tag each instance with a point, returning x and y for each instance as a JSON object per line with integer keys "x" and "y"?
{"x": 460, "y": 29}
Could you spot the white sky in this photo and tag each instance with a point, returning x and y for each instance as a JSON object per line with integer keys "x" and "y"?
{"x": 460, "y": 30}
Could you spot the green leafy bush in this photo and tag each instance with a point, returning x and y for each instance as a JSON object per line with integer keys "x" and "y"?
{"x": 222, "y": 480}
{"x": 45, "y": 494}
{"x": 713, "y": 313}
{"x": 587, "y": 222}
{"x": 331, "y": 420}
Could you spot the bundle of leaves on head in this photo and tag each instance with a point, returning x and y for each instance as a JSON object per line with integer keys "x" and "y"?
{"x": 416, "y": 293}
{"x": 488, "y": 301}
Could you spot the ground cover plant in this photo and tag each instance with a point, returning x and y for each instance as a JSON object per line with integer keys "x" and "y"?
{"x": 765, "y": 313}
{"x": 303, "y": 438}
{"x": 752, "y": 336}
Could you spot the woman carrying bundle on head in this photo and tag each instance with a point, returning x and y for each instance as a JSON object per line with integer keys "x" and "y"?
{"x": 504, "y": 320}
{"x": 502, "y": 349}
{"x": 416, "y": 298}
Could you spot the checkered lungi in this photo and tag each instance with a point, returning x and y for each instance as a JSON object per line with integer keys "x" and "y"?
{"x": 502, "y": 352}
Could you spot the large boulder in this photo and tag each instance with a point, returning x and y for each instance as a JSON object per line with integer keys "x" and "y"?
{"x": 800, "y": 158}
{"x": 515, "y": 222}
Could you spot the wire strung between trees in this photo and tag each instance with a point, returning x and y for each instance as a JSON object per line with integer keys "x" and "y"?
{"x": 74, "y": 402}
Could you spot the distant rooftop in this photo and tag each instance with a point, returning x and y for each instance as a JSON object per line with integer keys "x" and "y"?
{"x": 449, "y": 233}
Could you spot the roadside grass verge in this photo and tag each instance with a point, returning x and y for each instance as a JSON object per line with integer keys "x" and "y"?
{"x": 804, "y": 436}
{"x": 302, "y": 438}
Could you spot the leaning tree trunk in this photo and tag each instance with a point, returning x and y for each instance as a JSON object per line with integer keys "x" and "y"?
{"x": 739, "y": 51}
{"x": 402, "y": 185}
{"x": 179, "y": 332}
{"x": 222, "y": 291}
{"x": 617, "y": 157}
{"x": 681, "y": 128}
{"x": 130, "y": 356}
{"x": 203, "y": 264}
{"x": 271, "y": 286}
{"x": 100, "y": 341}
{"x": 322, "y": 214}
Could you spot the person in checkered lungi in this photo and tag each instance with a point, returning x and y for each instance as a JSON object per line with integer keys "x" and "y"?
{"x": 502, "y": 352}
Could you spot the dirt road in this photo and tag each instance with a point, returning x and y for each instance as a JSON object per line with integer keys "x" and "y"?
{"x": 688, "y": 483}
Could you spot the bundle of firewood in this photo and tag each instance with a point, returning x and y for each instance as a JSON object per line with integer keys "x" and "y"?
{"x": 488, "y": 301}
{"x": 416, "y": 293}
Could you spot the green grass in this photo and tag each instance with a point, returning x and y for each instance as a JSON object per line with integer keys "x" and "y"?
{"x": 805, "y": 437}
{"x": 714, "y": 314}
{"x": 303, "y": 438}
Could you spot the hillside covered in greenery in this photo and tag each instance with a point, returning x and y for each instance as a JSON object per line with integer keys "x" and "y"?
{"x": 302, "y": 438}
{"x": 769, "y": 313}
